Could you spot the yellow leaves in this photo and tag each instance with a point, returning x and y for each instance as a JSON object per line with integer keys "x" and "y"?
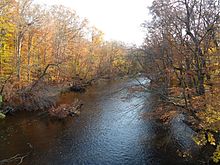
{"x": 206, "y": 137}
{"x": 97, "y": 36}
{"x": 200, "y": 139}
{"x": 6, "y": 45}
{"x": 208, "y": 110}
{"x": 212, "y": 50}
{"x": 203, "y": 138}
{"x": 211, "y": 139}
{"x": 119, "y": 62}
{"x": 6, "y": 38}
{"x": 216, "y": 154}
{"x": 183, "y": 154}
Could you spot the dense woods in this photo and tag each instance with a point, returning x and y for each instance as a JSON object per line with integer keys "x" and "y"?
{"x": 52, "y": 45}
{"x": 181, "y": 58}
{"x": 44, "y": 46}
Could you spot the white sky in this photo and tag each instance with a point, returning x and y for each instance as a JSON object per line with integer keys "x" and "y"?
{"x": 118, "y": 19}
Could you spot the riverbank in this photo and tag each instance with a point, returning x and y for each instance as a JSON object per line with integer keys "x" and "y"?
{"x": 44, "y": 97}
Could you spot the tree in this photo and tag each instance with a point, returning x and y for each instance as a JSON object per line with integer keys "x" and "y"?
{"x": 181, "y": 56}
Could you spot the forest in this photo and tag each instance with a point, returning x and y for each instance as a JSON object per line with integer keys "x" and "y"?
{"x": 52, "y": 47}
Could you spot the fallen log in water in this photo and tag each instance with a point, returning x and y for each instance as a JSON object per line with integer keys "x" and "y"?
{"x": 65, "y": 110}
{"x": 79, "y": 85}
{"x": 77, "y": 88}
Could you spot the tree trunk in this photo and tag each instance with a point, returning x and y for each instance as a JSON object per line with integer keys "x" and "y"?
{"x": 18, "y": 51}
{"x": 29, "y": 55}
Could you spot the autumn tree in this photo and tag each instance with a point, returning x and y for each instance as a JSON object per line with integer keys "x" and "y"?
{"x": 184, "y": 35}
{"x": 182, "y": 46}
{"x": 52, "y": 45}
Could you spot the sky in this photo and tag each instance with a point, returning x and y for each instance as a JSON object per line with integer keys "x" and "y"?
{"x": 118, "y": 19}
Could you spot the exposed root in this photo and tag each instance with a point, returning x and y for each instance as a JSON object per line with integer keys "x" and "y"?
{"x": 19, "y": 158}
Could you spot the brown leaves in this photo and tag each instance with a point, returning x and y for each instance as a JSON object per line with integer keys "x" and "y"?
{"x": 198, "y": 102}
{"x": 65, "y": 110}
{"x": 168, "y": 116}
{"x": 163, "y": 112}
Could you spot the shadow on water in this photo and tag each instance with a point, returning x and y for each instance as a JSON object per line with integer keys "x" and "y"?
{"x": 109, "y": 130}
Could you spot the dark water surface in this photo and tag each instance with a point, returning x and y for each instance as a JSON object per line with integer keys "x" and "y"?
{"x": 109, "y": 130}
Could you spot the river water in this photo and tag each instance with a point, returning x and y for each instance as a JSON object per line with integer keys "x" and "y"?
{"x": 110, "y": 130}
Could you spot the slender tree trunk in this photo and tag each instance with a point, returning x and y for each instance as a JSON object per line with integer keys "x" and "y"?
{"x": 201, "y": 72}
{"x": 18, "y": 51}
{"x": 29, "y": 55}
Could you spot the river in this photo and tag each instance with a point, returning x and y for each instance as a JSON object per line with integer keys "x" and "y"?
{"x": 110, "y": 130}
